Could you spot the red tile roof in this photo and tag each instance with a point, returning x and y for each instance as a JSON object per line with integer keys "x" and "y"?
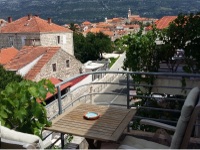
{"x": 86, "y": 23}
{"x": 7, "y": 54}
{"x": 164, "y": 21}
{"x": 26, "y": 55}
{"x": 56, "y": 81}
{"x": 109, "y": 33}
{"x": 49, "y": 53}
{"x": 32, "y": 25}
{"x": 103, "y": 25}
{"x": 63, "y": 86}
{"x": 132, "y": 26}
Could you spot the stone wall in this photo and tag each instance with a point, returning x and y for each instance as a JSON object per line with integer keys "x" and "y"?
{"x": 66, "y": 41}
{"x": 175, "y": 82}
{"x": 46, "y": 39}
{"x": 17, "y": 39}
{"x": 62, "y": 71}
{"x": 52, "y": 108}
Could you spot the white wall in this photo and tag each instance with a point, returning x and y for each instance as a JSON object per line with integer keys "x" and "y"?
{"x": 86, "y": 80}
{"x": 23, "y": 71}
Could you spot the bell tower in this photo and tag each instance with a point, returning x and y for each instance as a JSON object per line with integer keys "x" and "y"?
{"x": 129, "y": 12}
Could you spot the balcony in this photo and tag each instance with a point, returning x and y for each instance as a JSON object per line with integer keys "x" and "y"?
{"x": 160, "y": 101}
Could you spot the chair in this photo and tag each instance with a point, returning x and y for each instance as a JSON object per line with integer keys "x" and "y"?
{"x": 11, "y": 139}
{"x": 182, "y": 131}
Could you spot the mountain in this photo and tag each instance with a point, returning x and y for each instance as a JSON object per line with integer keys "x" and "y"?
{"x": 78, "y": 11}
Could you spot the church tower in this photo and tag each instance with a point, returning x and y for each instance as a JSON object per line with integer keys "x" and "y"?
{"x": 129, "y": 12}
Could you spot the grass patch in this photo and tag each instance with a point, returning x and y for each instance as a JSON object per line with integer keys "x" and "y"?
{"x": 112, "y": 61}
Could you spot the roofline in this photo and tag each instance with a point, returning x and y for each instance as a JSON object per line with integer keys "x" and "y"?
{"x": 35, "y": 32}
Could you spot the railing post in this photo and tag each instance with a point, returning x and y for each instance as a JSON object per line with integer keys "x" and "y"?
{"x": 59, "y": 100}
{"x": 128, "y": 89}
{"x": 128, "y": 95}
{"x": 60, "y": 112}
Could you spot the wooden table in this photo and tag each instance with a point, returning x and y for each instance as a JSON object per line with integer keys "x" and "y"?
{"x": 109, "y": 127}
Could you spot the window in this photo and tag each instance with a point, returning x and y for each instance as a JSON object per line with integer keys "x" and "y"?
{"x": 54, "y": 67}
{"x": 58, "y": 39}
{"x": 11, "y": 41}
{"x": 67, "y": 63}
{"x": 32, "y": 42}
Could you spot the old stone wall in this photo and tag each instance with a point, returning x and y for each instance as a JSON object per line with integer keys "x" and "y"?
{"x": 62, "y": 71}
{"x": 18, "y": 39}
{"x": 65, "y": 41}
{"x": 46, "y": 39}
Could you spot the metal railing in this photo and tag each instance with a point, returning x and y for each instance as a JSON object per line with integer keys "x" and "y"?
{"x": 174, "y": 85}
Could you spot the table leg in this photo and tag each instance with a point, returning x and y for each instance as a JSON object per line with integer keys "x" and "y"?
{"x": 62, "y": 140}
{"x": 93, "y": 145}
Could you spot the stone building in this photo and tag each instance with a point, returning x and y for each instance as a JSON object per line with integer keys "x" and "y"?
{"x": 39, "y": 62}
{"x": 34, "y": 31}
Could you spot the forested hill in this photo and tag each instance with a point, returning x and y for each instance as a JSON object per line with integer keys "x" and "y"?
{"x": 77, "y": 11}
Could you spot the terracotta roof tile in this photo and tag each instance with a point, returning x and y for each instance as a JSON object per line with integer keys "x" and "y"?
{"x": 165, "y": 21}
{"x": 132, "y": 26}
{"x": 109, "y": 33}
{"x": 49, "y": 53}
{"x": 63, "y": 86}
{"x": 103, "y": 25}
{"x": 96, "y": 30}
{"x": 26, "y": 55}
{"x": 56, "y": 81}
{"x": 7, "y": 54}
{"x": 33, "y": 25}
{"x": 86, "y": 23}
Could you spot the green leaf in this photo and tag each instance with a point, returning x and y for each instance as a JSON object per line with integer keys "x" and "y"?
{"x": 3, "y": 114}
{"x": 33, "y": 90}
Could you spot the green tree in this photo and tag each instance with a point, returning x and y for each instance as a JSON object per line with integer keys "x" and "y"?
{"x": 73, "y": 27}
{"x": 20, "y": 109}
{"x": 91, "y": 51}
{"x": 80, "y": 47}
{"x": 142, "y": 54}
{"x": 184, "y": 33}
{"x": 7, "y": 77}
{"x": 92, "y": 46}
{"x": 102, "y": 44}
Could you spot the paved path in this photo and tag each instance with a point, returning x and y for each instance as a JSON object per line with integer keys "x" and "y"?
{"x": 119, "y": 90}
{"x": 119, "y": 63}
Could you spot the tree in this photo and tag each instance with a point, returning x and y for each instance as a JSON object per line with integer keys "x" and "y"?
{"x": 20, "y": 109}
{"x": 80, "y": 47}
{"x": 102, "y": 44}
{"x": 142, "y": 54}
{"x": 184, "y": 33}
{"x": 92, "y": 46}
{"x": 7, "y": 77}
{"x": 73, "y": 27}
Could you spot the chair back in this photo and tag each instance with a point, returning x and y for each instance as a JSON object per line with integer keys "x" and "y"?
{"x": 186, "y": 121}
{"x": 11, "y": 139}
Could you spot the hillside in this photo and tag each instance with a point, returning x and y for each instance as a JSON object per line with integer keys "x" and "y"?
{"x": 66, "y": 11}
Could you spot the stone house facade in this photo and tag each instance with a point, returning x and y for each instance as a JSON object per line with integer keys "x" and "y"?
{"x": 36, "y": 63}
{"x": 66, "y": 66}
{"x": 34, "y": 31}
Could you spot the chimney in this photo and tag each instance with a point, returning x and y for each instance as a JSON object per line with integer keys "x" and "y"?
{"x": 49, "y": 20}
{"x": 9, "y": 19}
{"x": 29, "y": 16}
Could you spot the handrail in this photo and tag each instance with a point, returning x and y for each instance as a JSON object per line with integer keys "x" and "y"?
{"x": 127, "y": 78}
{"x": 129, "y": 85}
{"x": 129, "y": 72}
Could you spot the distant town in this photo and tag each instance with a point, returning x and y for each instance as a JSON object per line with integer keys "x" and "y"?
{"x": 32, "y": 46}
